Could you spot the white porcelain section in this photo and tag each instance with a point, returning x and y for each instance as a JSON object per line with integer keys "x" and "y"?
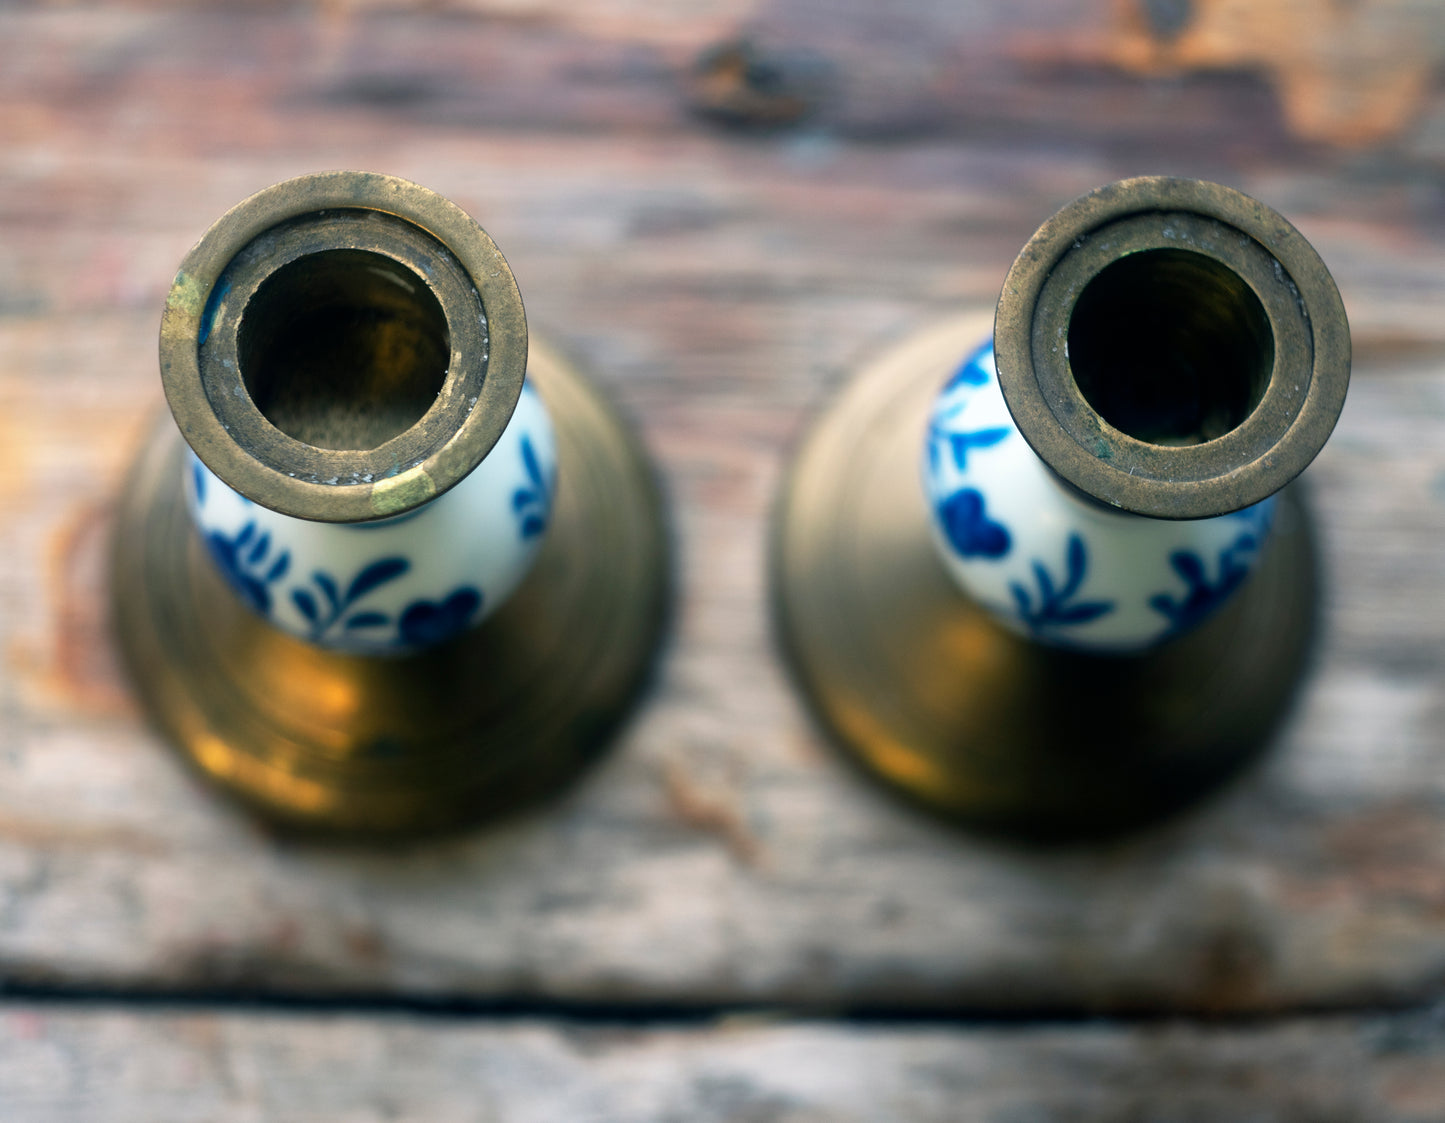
{"x": 1054, "y": 566}
{"x": 403, "y": 583}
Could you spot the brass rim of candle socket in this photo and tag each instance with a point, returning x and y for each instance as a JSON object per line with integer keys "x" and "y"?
{"x": 237, "y": 292}
{"x": 1156, "y": 265}
{"x": 928, "y": 693}
{"x": 480, "y": 725}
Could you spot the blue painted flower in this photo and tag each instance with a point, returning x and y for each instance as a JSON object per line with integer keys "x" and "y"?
{"x": 1056, "y": 607}
{"x": 424, "y": 622}
{"x": 245, "y": 560}
{"x": 969, "y": 530}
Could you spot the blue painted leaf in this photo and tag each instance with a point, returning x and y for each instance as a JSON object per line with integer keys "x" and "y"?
{"x": 258, "y": 551}
{"x": 245, "y": 535}
{"x": 533, "y": 525}
{"x": 529, "y": 458}
{"x": 522, "y": 497}
{"x": 982, "y": 438}
{"x": 278, "y": 568}
{"x": 366, "y": 620}
{"x": 1164, "y": 603}
{"x": 1046, "y": 584}
{"x": 1083, "y": 612}
{"x": 971, "y": 373}
{"x": 256, "y": 593}
{"x": 198, "y": 477}
{"x": 222, "y": 550}
{"x": 1076, "y": 564}
{"x": 376, "y": 574}
{"x": 305, "y": 604}
{"x": 1188, "y": 566}
{"x": 328, "y": 586}
{"x": 1054, "y": 610}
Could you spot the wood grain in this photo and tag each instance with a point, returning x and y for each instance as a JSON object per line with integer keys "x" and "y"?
{"x": 718, "y": 284}
{"x": 75, "y": 1066}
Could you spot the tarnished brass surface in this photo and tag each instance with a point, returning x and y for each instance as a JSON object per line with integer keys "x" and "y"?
{"x": 478, "y": 727}
{"x": 343, "y": 346}
{"x": 1172, "y": 347}
{"x": 934, "y": 697}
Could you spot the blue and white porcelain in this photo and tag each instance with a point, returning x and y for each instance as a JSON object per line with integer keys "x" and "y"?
{"x": 403, "y": 583}
{"x": 1054, "y": 566}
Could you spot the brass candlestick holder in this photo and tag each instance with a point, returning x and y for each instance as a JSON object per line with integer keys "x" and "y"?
{"x": 1044, "y": 585}
{"x": 388, "y": 571}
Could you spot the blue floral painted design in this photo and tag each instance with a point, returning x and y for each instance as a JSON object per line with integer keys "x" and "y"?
{"x": 532, "y": 503}
{"x": 962, "y": 514}
{"x": 971, "y": 372}
{"x": 1202, "y": 596}
{"x": 378, "y": 588}
{"x": 334, "y": 606}
{"x": 247, "y": 562}
{"x": 1046, "y": 564}
{"x": 1056, "y": 607}
{"x": 959, "y": 444}
{"x": 968, "y": 528}
{"x": 424, "y": 622}
{"x": 950, "y": 404}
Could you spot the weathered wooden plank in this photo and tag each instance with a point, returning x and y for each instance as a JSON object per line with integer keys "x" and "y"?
{"x": 1238, "y": 78}
{"x": 61, "y": 1065}
{"x": 717, "y": 285}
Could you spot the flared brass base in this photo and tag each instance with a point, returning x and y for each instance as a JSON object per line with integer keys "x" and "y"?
{"x": 478, "y": 727}
{"x": 942, "y": 703}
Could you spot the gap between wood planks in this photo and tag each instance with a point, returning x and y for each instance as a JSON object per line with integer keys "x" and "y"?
{"x": 662, "y": 1015}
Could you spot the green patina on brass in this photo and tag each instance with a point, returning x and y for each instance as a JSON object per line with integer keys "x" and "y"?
{"x": 401, "y": 493}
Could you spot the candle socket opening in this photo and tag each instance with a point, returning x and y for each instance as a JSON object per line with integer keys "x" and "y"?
{"x": 1171, "y": 347}
{"x": 343, "y": 349}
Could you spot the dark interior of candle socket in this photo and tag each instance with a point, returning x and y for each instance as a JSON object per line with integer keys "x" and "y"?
{"x": 1171, "y": 347}
{"x": 343, "y": 349}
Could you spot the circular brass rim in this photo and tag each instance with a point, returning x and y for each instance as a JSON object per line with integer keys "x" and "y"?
{"x": 1282, "y": 434}
{"x": 474, "y": 729}
{"x": 483, "y": 380}
{"x": 924, "y": 690}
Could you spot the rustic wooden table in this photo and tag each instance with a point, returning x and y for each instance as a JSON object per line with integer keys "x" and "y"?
{"x": 723, "y": 921}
